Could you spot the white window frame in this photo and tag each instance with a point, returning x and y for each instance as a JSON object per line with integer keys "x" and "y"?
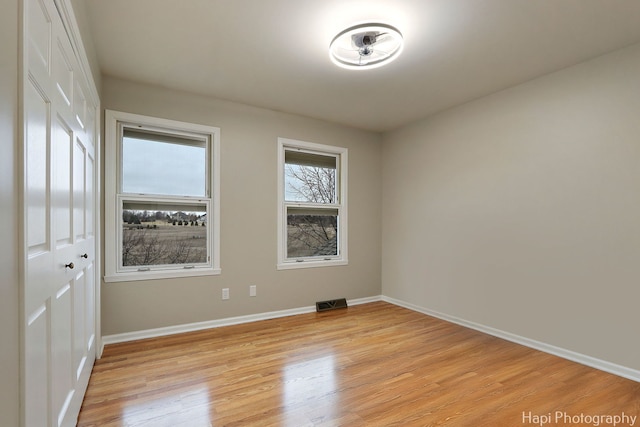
{"x": 115, "y": 122}
{"x": 341, "y": 154}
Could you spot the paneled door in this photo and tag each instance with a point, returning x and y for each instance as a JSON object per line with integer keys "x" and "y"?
{"x": 59, "y": 286}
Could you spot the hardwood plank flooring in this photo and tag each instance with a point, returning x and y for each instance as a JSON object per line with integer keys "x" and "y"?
{"x": 369, "y": 365}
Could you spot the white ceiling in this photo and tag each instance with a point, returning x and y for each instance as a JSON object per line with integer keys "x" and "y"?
{"x": 274, "y": 53}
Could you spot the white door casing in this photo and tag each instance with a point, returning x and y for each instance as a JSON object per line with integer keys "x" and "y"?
{"x": 60, "y": 239}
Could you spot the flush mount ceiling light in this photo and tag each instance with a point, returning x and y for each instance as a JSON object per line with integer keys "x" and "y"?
{"x": 366, "y": 46}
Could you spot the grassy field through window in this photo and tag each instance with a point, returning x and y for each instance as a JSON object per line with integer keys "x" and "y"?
{"x": 164, "y": 242}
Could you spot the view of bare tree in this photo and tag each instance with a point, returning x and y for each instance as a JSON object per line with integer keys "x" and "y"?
{"x": 140, "y": 249}
{"x": 311, "y": 184}
{"x": 179, "y": 252}
{"x": 311, "y": 234}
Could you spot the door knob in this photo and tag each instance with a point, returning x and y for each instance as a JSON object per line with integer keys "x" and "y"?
{"x": 85, "y": 256}
{"x": 70, "y": 266}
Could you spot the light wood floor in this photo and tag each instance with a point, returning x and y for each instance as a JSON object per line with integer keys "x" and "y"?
{"x": 369, "y": 365}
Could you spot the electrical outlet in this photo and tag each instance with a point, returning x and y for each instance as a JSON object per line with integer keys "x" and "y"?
{"x": 252, "y": 290}
{"x": 225, "y": 293}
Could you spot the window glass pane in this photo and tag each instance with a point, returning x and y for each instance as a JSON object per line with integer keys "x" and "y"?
{"x": 158, "y": 164}
{"x": 313, "y": 180}
{"x": 163, "y": 234}
{"x": 312, "y": 232}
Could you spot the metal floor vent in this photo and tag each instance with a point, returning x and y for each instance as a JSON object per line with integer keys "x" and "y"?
{"x": 332, "y": 304}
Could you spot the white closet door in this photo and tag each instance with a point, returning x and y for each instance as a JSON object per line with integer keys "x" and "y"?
{"x": 59, "y": 195}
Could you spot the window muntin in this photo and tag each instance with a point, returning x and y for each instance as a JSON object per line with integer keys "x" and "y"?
{"x": 162, "y": 205}
{"x": 313, "y": 210}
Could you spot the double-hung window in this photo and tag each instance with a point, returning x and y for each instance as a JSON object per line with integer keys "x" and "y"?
{"x": 312, "y": 192}
{"x": 162, "y": 198}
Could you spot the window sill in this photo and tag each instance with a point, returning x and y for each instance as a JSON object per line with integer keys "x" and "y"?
{"x": 293, "y": 265}
{"x": 166, "y": 274}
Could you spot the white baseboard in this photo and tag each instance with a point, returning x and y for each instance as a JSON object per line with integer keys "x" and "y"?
{"x": 592, "y": 362}
{"x": 191, "y": 327}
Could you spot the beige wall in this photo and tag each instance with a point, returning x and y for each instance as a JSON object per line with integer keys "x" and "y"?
{"x": 80, "y": 13}
{"x": 9, "y": 302}
{"x": 248, "y": 217}
{"x": 521, "y": 211}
